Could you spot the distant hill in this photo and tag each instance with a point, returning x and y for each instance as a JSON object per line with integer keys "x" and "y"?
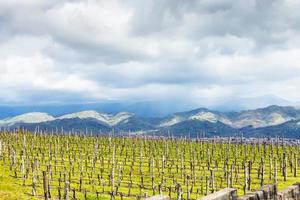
{"x": 269, "y": 121}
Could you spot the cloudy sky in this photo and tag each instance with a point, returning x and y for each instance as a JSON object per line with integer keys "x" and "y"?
{"x": 197, "y": 51}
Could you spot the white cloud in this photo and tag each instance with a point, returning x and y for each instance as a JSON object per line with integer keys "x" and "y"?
{"x": 197, "y": 51}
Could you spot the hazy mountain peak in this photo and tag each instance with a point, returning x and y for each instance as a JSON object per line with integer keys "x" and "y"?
{"x": 33, "y": 117}
{"x": 269, "y": 116}
{"x": 201, "y": 114}
{"x": 119, "y": 117}
{"x": 108, "y": 119}
{"x": 171, "y": 121}
{"x": 208, "y": 116}
{"x": 83, "y": 115}
{"x": 211, "y": 117}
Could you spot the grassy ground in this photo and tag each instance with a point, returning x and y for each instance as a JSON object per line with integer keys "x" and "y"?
{"x": 13, "y": 189}
{"x": 10, "y": 188}
{"x": 169, "y": 162}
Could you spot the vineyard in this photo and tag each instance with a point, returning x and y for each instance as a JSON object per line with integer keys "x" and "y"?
{"x": 81, "y": 166}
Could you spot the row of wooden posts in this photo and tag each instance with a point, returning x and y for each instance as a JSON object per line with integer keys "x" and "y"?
{"x": 163, "y": 166}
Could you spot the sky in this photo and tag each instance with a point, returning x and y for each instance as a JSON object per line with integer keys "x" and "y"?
{"x": 201, "y": 52}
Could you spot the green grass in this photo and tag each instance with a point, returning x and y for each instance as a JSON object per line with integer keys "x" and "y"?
{"x": 185, "y": 162}
{"x": 10, "y": 188}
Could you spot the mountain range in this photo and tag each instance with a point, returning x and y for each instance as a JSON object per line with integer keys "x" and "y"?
{"x": 270, "y": 121}
{"x": 150, "y": 108}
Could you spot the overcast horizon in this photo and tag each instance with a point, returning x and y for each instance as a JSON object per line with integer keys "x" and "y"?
{"x": 206, "y": 53}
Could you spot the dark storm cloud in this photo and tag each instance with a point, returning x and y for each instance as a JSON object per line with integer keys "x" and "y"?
{"x": 265, "y": 22}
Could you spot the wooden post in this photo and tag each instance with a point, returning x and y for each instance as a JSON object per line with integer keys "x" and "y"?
{"x": 45, "y": 185}
{"x": 245, "y": 179}
{"x": 66, "y": 194}
{"x": 49, "y": 186}
{"x": 85, "y": 194}
{"x": 179, "y": 191}
{"x": 249, "y": 174}
{"x": 160, "y": 188}
{"x": 113, "y": 171}
{"x": 59, "y": 192}
{"x": 284, "y": 171}
{"x": 231, "y": 176}
{"x": 188, "y": 188}
{"x": 74, "y": 193}
{"x": 23, "y": 168}
{"x": 275, "y": 170}
{"x": 14, "y": 163}
{"x": 80, "y": 182}
{"x": 270, "y": 168}
{"x": 295, "y": 165}
{"x": 262, "y": 172}
{"x": 33, "y": 185}
{"x": 207, "y": 185}
{"x": 212, "y": 180}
